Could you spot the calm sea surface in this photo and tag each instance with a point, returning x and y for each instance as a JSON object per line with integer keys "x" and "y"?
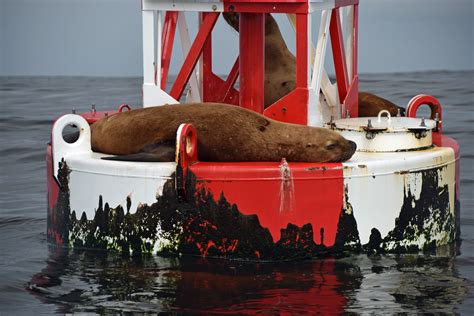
{"x": 98, "y": 283}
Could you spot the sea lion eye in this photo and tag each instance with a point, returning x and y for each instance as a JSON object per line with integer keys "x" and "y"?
{"x": 331, "y": 146}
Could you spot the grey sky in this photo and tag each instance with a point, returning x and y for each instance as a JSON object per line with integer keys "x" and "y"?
{"x": 103, "y": 37}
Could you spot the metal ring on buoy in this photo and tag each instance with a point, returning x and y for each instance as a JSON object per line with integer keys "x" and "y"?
{"x": 190, "y": 144}
{"x": 432, "y": 102}
{"x": 186, "y": 154}
{"x": 63, "y": 122}
{"x": 420, "y": 100}
{"x": 124, "y": 106}
{"x": 60, "y": 148}
{"x": 187, "y": 137}
{"x": 190, "y": 141}
{"x": 389, "y": 117}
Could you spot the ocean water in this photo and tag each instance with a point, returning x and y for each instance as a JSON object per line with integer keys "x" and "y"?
{"x": 96, "y": 282}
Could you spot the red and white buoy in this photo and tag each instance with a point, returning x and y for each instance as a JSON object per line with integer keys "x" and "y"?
{"x": 398, "y": 193}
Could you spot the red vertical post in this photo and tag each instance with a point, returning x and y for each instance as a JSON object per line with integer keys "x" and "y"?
{"x": 252, "y": 61}
{"x": 302, "y": 50}
{"x": 339, "y": 54}
{"x": 169, "y": 29}
{"x": 230, "y": 81}
{"x": 207, "y": 81}
{"x": 354, "y": 111}
{"x": 356, "y": 40}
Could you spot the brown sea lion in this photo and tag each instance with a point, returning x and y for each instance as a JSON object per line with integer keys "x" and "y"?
{"x": 280, "y": 70}
{"x": 371, "y": 105}
{"x": 225, "y": 133}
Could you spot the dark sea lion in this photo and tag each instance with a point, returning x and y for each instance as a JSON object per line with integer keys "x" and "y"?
{"x": 371, "y": 105}
{"x": 225, "y": 133}
{"x": 280, "y": 70}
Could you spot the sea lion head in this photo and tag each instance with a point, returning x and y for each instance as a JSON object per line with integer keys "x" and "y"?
{"x": 233, "y": 19}
{"x": 325, "y": 145}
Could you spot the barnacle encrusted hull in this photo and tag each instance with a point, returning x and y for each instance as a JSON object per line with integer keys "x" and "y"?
{"x": 205, "y": 225}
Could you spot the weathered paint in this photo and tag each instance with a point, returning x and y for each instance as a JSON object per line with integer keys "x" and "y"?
{"x": 380, "y": 134}
{"x": 208, "y": 225}
{"x": 134, "y": 207}
{"x": 287, "y": 210}
{"x": 257, "y": 188}
{"x": 378, "y": 186}
{"x": 200, "y": 225}
{"x": 141, "y": 182}
{"x": 426, "y": 219}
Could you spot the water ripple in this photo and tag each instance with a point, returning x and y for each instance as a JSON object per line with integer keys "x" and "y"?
{"x": 38, "y": 280}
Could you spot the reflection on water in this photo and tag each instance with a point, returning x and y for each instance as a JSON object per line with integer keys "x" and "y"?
{"x": 80, "y": 281}
{"x": 38, "y": 280}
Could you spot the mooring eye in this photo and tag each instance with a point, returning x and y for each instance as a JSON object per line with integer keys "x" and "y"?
{"x": 424, "y": 111}
{"x": 71, "y": 133}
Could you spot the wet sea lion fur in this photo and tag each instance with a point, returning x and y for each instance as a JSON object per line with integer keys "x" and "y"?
{"x": 225, "y": 133}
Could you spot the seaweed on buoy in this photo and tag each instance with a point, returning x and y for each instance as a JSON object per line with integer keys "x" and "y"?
{"x": 422, "y": 219}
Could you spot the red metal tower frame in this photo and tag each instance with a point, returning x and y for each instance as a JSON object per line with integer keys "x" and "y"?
{"x": 250, "y": 64}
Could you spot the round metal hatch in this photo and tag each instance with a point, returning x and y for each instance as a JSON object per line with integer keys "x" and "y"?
{"x": 385, "y": 133}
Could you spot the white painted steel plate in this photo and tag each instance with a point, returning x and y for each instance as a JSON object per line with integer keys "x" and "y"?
{"x": 394, "y": 124}
{"x": 385, "y": 134}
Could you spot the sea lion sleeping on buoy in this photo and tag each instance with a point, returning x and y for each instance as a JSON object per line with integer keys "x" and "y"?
{"x": 280, "y": 70}
{"x": 224, "y": 132}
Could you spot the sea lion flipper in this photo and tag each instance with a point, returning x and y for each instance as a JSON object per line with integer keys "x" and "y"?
{"x": 157, "y": 152}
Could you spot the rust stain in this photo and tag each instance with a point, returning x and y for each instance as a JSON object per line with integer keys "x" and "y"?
{"x": 323, "y": 168}
{"x": 401, "y": 172}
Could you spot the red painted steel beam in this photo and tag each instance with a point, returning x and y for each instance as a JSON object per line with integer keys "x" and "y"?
{"x": 292, "y": 108}
{"x": 355, "y": 85}
{"x": 230, "y": 81}
{"x": 207, "y": 74}
{"x": 193, "y": 55}
{"x": 356, "y": 41}
{"x": 169, "y": 30}
{"x": 266, "y": 8}
{"x": 345, "y": 3}
{"x": 338, "y": 52}
{"x": 266, "y": 1}
{"x": 302, "y": 50}
{"x": 351, "y": 103}
{"x": 252, "y": 61}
